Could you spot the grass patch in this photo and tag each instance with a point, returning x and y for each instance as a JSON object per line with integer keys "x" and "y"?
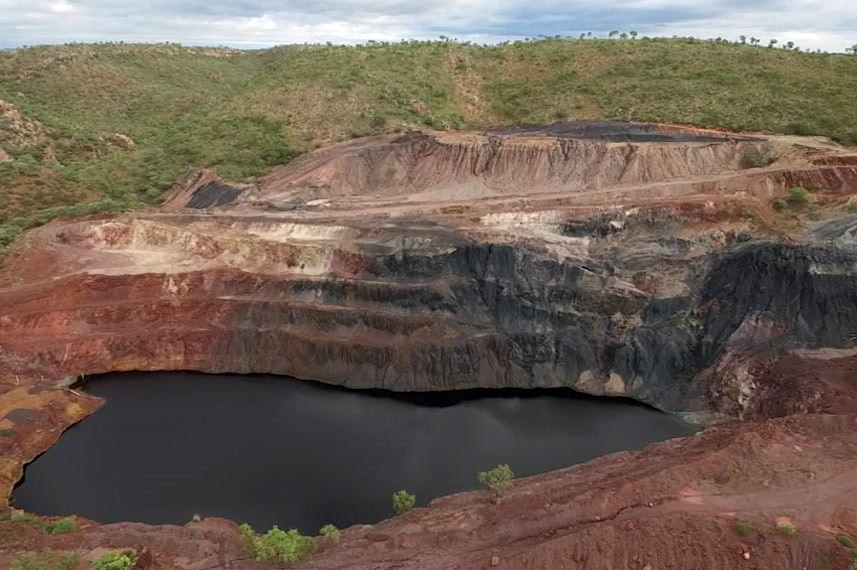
{"x": 787, "y": 528}
{"x": 6, "y": 432}
{"x": 62, "y": 526}
{"x": 46, "y": 560}
{"x": 846, "y": 541}
{"x": 743, "y": 528}
{"x": 26, "y": 518}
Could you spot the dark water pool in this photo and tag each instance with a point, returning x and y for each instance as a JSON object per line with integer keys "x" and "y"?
{"x": 269, "y": 450}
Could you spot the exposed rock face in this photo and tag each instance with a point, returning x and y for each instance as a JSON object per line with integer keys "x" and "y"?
{"x": 18, "y": 131}
{"x": 643, "y": 262}
{"x": 635, "y": 300}
{"x": 446, "y": 166}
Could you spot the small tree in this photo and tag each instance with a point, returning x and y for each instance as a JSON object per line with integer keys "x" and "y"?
{"x": 613, "y": 34}
{"x": 633, "y": 34}
{"x": 277, "y": 546}
{"x": 852, "y": 50}
{"x": 498, "y": 479}
{"x": 772, "y": 43}
{"x": 403, "y": 502}
{"x": 743, "y": 39}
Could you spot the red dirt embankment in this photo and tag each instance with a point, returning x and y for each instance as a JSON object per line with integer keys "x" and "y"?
{"x": 589, "y": 257}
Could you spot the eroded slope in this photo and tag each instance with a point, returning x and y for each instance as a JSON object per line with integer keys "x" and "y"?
{"x": 675, "y": 266}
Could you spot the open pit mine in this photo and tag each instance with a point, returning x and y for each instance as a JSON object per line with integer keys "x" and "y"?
{"x": 674, "y": 266}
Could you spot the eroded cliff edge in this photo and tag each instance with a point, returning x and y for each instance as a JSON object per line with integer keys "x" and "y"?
{"x": 665, "y": 264}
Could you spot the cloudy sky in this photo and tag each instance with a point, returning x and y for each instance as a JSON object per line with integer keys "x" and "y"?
{"x": 827, "y": 24}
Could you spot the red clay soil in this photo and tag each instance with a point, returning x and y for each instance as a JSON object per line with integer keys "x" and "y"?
{"x": 217, "y": 288}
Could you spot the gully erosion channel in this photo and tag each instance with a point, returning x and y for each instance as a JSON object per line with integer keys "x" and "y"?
{"x": 269, "y": 450}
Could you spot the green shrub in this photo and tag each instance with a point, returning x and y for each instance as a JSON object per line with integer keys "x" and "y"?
{"x": 846, "y": 541}
{"x": 46, "y": 560}
{"x": 787, "y": 528}
{"x": 5, "y": 432}
{"x": 329, "y": 532}
{"x": 498, "y": 479}
{"x": 115, "y": 561}
{"x": 62, "y": 526}
{"x": 277, "y": 546}
{"x": 798, "y": 195}
{"x": 403, "y": 502}
{"x": 743, "y": 528}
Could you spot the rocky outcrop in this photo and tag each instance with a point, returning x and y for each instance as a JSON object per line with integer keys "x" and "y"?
{"x": 18, "y": 131}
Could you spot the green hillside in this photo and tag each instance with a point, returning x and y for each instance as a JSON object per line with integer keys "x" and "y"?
{"x": 241, "y": 112}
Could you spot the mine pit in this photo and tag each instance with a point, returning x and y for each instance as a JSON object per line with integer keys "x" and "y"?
{"x": 272, "y": 450}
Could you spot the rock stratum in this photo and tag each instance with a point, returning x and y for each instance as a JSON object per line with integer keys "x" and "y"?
{"x": 675, "y": 266}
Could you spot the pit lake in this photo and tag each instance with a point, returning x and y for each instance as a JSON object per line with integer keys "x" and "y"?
{"x": 272, "y": 450}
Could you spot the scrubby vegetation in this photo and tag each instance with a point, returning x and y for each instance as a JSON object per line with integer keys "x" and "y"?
{"x": 498, "y": 479}
{"x": 846, "y": 541}
{"x": 798, "y": 195}
{"x": 115, "y": 561}
{"x": 743, "y": 528}
{"x": 109, "y": 127}
{"x": 757, "y": 158}
{"x": 329, "y": 532}
{"x": 62, "y": 526}
{"x": 787, "y": 528}
{"x": 277, "y": 546}
{"x": 403, "y": 502}
{"x": 46, "y": 560}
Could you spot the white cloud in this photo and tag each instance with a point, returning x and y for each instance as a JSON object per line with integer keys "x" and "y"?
{"x": 825, "y": 24}
{"x": 61, "y": 7}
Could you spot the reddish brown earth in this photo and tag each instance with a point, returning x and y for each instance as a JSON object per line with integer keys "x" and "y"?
{"x": 649, "y": 262}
